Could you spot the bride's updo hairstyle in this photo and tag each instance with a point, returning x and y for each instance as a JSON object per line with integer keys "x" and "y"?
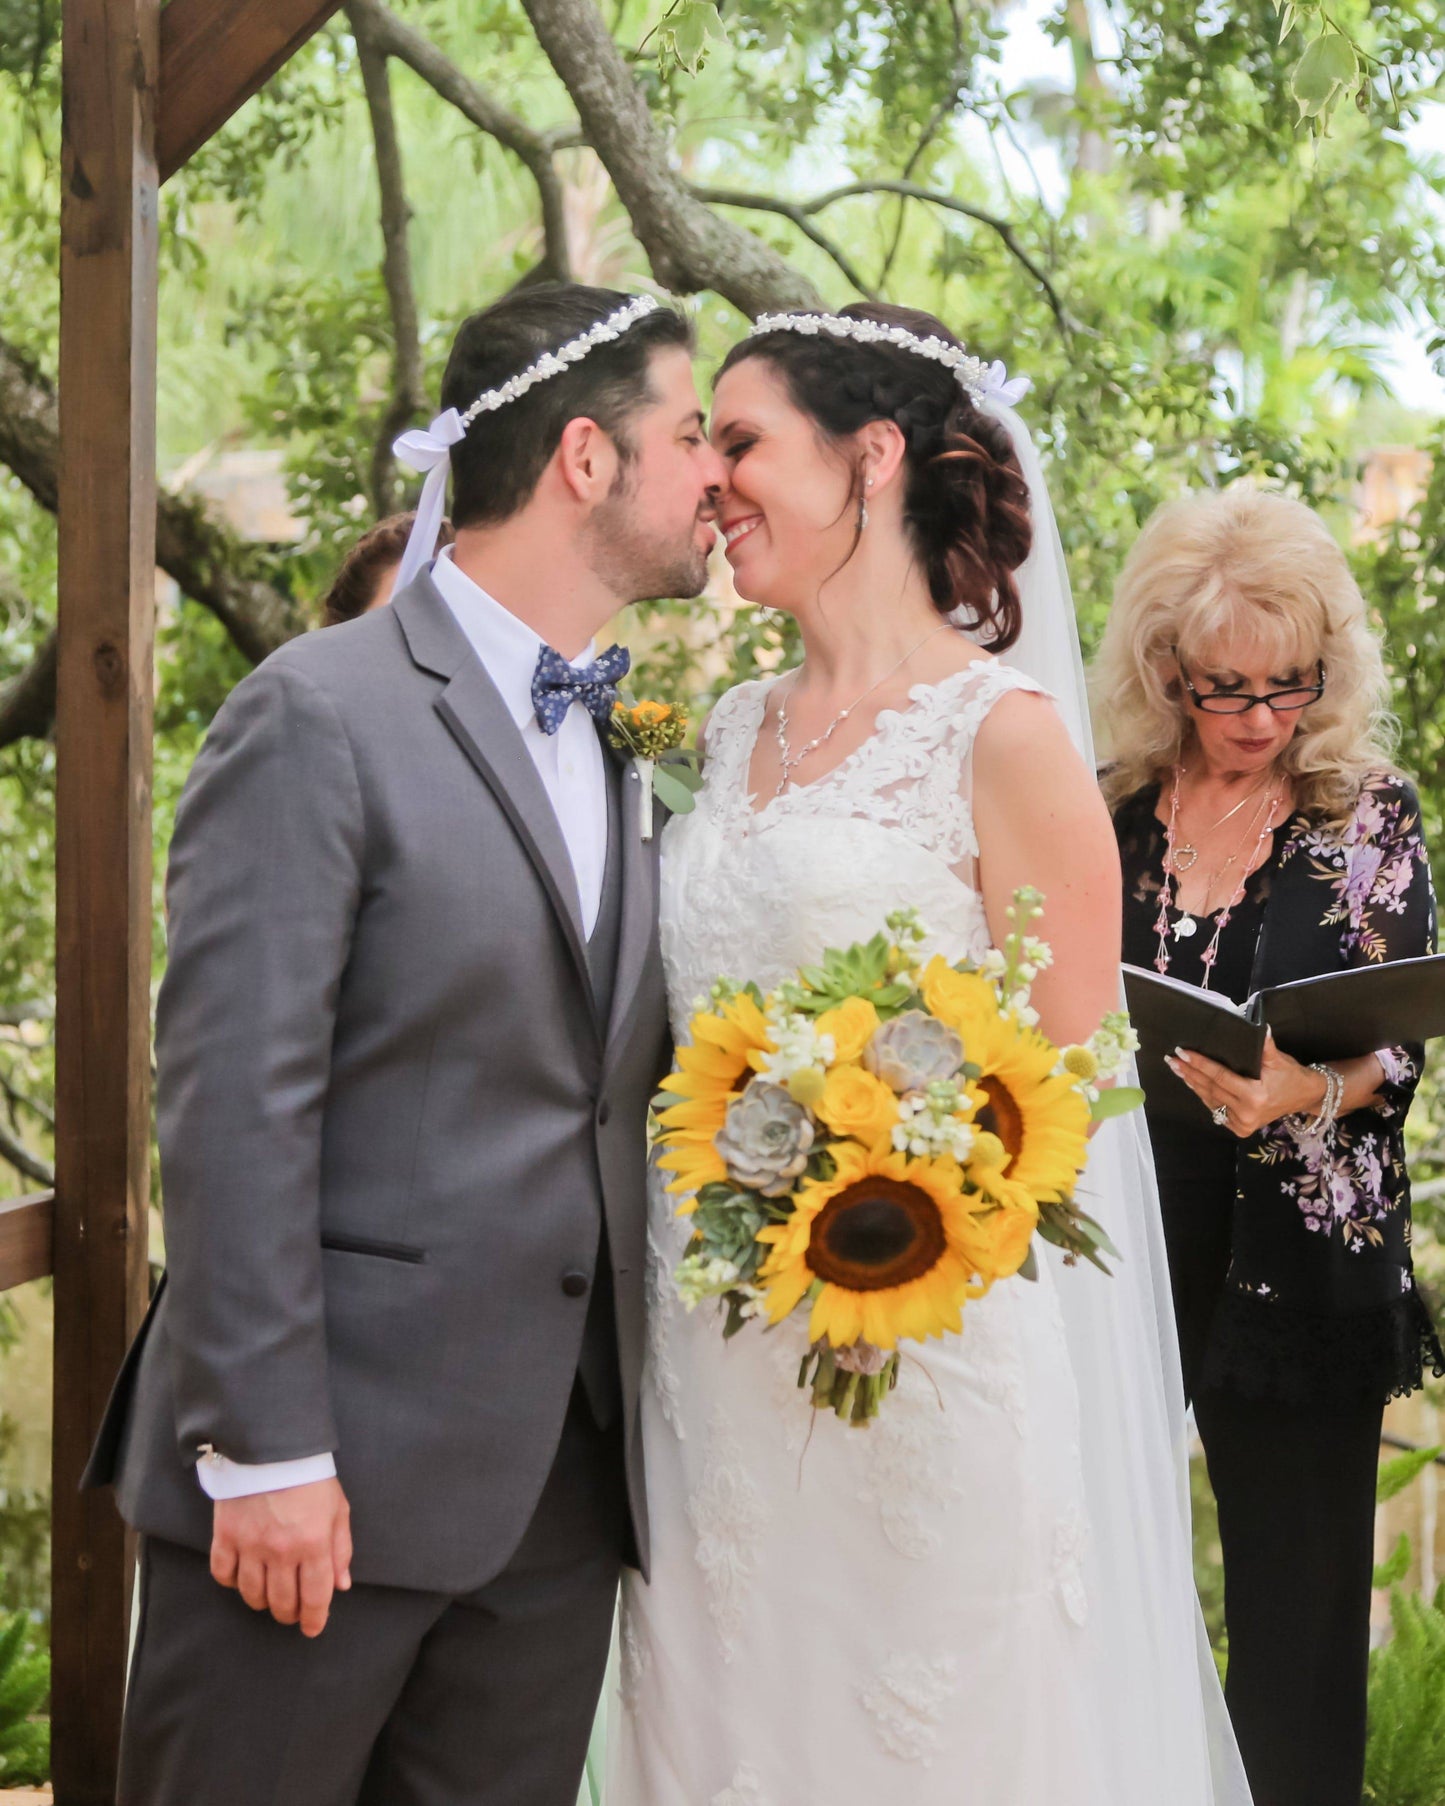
{"x": 965, "y": 501}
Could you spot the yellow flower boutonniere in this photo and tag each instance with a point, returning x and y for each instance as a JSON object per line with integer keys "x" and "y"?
{"x": 652, "y": 733}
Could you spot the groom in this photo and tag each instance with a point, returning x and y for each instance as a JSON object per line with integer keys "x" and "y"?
{"x": 380, "y": 1430}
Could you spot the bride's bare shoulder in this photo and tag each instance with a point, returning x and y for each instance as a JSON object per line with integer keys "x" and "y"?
{"x": 945, "y": 656}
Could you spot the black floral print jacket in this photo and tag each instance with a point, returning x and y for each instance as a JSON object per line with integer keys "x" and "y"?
{"x": 1320, "y": 1297}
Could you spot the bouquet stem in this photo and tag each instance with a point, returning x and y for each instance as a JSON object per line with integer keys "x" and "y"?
{"x": 853, "y": 1396}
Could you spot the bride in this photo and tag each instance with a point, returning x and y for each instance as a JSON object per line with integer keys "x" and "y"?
{"x": 985, "y": 1598}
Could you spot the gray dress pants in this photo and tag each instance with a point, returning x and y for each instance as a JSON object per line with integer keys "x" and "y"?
{"x": 406, "y": 1698}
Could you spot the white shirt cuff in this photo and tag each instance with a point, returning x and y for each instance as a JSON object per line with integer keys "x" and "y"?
{"x": 221, "y": 1478}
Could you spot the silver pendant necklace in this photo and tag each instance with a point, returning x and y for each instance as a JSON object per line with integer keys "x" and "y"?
{"x": 1187, "y": 927}
{"x": 1184, "y": 855}
{"x": 788, "y": 760}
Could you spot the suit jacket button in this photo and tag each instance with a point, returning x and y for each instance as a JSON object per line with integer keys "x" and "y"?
{"x": 604, "y": 1111}
{"x": 574, "y": 1284}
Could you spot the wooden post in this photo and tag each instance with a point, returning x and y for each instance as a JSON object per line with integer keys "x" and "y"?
{"x": 108, "y": 279}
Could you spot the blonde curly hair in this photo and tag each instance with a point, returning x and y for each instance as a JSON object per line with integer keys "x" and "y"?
{"x": 1250, "y": 566}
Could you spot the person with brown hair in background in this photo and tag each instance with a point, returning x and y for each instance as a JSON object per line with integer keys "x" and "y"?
{"x": 367, "y": 574}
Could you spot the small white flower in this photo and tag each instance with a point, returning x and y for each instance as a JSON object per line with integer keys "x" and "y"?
{"x": 699, "y": 1278}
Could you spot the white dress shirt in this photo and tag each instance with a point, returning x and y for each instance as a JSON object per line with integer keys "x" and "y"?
{"x": 572, "y": 769}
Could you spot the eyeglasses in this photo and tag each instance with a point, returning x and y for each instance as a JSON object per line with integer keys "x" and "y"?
{"x": 1240, "y": 702}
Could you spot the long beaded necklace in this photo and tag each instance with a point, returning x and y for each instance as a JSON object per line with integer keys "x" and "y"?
{"x": 790, "y": 761}
{"x": 1186, "y": 926}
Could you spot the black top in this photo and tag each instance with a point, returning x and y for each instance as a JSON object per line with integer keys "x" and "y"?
{"x": 1290, "y": 1254}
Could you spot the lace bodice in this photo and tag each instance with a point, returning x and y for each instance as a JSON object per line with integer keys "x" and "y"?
{"x": 753, "y": 891}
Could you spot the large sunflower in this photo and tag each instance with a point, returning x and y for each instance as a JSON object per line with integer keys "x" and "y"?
{"x": 1039, "y": 1115}
{"x": 894, "y": 1245}
{"x": 709, "y": 1073}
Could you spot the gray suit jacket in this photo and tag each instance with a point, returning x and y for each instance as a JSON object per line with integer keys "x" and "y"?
{"x": 390, "y": 1120}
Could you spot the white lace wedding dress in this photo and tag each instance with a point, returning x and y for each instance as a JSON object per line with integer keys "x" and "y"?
{"x": 897, "y": 1616}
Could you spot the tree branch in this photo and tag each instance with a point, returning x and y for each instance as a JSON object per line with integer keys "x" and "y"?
{"x": 20, "y": 1099}
{"x": 689, "y": 246}
{"x": 394, "y": 37}
{"x": 27, "y": 702}
{"x": 210, "y": 563}
{"x": 911, "y": 191}
{"x": 763, "y": 203}
{"x": 957, "y": 81}
{"x": 16, "y": 1154}
{"x": 408, "y": 396}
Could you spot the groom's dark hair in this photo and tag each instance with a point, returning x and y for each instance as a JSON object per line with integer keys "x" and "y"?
{"x": 497, "y": 466}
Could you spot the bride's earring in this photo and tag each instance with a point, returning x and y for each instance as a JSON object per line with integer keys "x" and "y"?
{"x": 863, "y": 508}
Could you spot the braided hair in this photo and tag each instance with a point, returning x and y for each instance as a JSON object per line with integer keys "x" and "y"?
{"x": 965, "y": 501}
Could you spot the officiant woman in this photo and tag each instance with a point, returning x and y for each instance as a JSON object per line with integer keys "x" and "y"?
{"x": 1267, "y": 836}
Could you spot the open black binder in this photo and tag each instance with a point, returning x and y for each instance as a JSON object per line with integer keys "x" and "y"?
{"x": 1334, "y": 1017}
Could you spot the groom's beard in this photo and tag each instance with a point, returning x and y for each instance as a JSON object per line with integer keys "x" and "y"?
{"x": 636, "y": 561}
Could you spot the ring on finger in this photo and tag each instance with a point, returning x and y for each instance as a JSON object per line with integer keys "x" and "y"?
{"x": 1220, "y": 1116}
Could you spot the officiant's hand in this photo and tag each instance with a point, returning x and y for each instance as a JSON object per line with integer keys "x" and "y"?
{"x": 286, "y": 1552}
{"x": 1283, "y": 1088}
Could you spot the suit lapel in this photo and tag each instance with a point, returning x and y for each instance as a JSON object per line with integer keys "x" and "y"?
{"x": 479, "y": 722}
{"x": 639, "y": 901}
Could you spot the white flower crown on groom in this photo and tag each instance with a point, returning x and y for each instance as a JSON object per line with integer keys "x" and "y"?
{"x": 430, "y": 450}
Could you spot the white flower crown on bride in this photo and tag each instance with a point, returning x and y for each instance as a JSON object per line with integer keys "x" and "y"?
{"x": 984, "y": 382}
{"x": 431, "y": 450}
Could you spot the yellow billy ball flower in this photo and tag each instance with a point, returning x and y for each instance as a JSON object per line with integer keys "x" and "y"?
{"x": 896, "y": 1244}
{"x": 858, "y": 1105}
{"x": 851, "y": 1025}
{"x": 1080, "y": 1063}
{"x": 988, "y": 1152}
{"x": 807, "y": 1085}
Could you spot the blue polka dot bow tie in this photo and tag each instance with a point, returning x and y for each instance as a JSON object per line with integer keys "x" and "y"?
{"x": 556, "y": 685}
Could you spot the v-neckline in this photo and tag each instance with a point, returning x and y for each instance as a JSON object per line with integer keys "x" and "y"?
{"x": 883, "y": 722}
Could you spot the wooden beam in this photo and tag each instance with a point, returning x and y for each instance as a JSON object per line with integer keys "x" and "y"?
{"x": 215, "y": 54}
{"x": 106, "y": 630}
{"x": 25, "y": 1239}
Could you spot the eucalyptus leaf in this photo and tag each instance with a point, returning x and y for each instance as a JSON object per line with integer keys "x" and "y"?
{"x": 672, "y": 792}
{"x": 1117, "y": 1100}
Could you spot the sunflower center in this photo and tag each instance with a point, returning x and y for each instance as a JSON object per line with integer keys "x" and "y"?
{"x": 874, "y": 1234}
{"x": 1001, "y": 1116}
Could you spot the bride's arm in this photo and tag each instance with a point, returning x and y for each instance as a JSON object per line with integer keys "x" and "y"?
{"x": 1040, "y": 820}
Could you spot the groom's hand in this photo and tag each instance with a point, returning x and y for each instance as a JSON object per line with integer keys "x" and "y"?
{"x": 286, "y": 1552}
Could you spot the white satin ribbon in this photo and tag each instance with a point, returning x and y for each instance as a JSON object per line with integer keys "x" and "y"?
{"x": 428, "y": 450}
{"x": 997, "y": 386}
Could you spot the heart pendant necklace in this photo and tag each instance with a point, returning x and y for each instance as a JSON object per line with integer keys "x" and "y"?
{"x": 1186, "y": 927}
{"x": 1185, "y": 856}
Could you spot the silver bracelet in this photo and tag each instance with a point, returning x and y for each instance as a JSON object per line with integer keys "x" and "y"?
{"x": 1330, "y": 1105}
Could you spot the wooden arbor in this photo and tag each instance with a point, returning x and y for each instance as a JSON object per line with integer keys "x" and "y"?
{"x": 144, "y": 87}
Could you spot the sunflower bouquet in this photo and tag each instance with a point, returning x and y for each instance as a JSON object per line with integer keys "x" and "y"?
{"x": 877, "y": 1141}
